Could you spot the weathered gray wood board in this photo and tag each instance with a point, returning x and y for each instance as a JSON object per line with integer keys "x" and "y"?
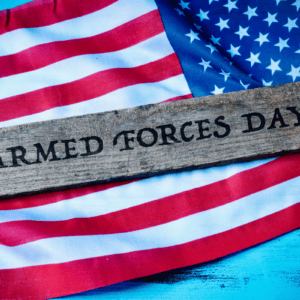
{"x": 150, "y": 139}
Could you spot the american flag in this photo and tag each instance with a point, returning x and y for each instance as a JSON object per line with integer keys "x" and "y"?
{"x": 70, "y": 57}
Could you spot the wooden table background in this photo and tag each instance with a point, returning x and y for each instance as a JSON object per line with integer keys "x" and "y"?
{"x": 267, "y": 271}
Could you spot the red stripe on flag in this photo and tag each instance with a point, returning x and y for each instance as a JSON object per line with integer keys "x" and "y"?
{"x": 136, "y": 31}
{"x": 90, "y": 87}
{"x": 49, "y": 281}
{"x": 46, "y": 12}
{"x": 157, "y": 212}
{"x": 188, "y": 96}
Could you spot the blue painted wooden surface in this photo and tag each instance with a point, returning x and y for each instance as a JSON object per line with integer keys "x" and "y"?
{"x": 5, "y": 4}
{"x": 267, "y": 271}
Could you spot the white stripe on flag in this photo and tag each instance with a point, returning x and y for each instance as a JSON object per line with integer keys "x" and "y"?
{"x": 128, "y": 195}
{"x": 78, "y": 67}
{"x": 85, "y": 26}
{"x": 200, "y": 225}
{"x": 140, "y": 94}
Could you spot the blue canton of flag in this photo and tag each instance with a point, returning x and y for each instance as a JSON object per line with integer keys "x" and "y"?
{"x": 226, "y": 46}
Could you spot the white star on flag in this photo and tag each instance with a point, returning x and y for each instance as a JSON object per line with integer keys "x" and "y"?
{"x": 198, "y": 27}
{"x": 205, "y": 64}
{"x": 271, "y": 19}
{"x": 203, "y": 15}
{"x": 265, "y": 83}
{"x": 251, "y": 12}
{"x": 244, "y": 85}
{"x": 253, "y": 58}
{"x": 226, "y": 75}
{"x": 297, "y": 4}
{"x": 193, "y": 36}
{"x": 184, "y": 5}
{"x": 180, "y": 12}
{"x": 262, "y": 38}
{"x": 274, "y": 66}
{"x": 231, "y": 5}
{"x": 212, "y": 48}
{"x": 234, "y": 50}
{"x": 295, "y": 72}
{"x": 242, "y": 32}
{"x": 291, "y": 24}
{"x": 282, "y": 44}
{"x": 218, "y": 90}
{"x": 222, "y": 24}
{"x": 215, "y": 40}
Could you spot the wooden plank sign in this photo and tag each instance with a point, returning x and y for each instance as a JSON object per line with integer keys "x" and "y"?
{"x": 150, "y": 139}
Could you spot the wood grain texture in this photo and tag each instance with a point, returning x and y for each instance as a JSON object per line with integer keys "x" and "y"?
{"x": 150, "y": 139}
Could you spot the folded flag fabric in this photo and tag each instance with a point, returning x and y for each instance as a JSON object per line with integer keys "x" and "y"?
{"x": 61, "y": 58}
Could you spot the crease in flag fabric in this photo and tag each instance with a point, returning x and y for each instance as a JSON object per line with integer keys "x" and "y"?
{"x": 71, "y": 57}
